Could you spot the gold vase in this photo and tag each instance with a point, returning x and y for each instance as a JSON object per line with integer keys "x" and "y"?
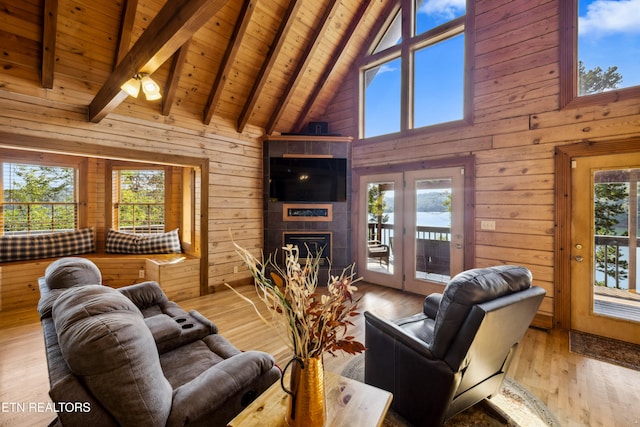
{"x": 307, "y": 405}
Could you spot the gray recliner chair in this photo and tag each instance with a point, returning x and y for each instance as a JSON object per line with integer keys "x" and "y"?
{"x": 131, "y": 357}
{"x": 456, "y": 352}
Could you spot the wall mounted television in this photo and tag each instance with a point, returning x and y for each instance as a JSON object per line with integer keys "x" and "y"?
{"x": 307, "y": 179}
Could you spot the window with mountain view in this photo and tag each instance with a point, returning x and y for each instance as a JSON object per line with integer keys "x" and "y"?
{"x": 414, "y": 76}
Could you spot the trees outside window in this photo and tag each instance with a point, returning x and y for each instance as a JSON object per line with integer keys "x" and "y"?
{"x": 377, "y": 208}
{"x": 38, "y": 199}
{"x": 139, "y": 200}
{"x": 599, "y": 45}
{"x": 610, "y": 219}
{"x": 597, "y": 80}
{"x": 608, "y": 36}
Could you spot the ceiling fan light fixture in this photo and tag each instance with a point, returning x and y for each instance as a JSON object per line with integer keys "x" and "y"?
{"x": 153, "y": 96}
{"x": 150, "y": 88}
{"x": 142, "y": 81}
{"x": 131, "y": 87}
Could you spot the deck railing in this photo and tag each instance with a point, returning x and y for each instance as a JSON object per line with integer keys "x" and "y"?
{"x": 612, "y": 264}
{"x": 612, "y": 261}
{"x": 140, "y": 217}
{"x": 25, "y": 218}
{"x": 432, "y": 246}
{"x": 422, "y": 232}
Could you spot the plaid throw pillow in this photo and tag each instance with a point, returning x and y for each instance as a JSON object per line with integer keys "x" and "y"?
{"x": 127, "y": 243}
{"x": 20, "y": 248}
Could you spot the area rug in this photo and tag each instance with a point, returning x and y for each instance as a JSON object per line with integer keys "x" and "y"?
{"x": 605, "y": 349}
{"x": 514, "y": 406}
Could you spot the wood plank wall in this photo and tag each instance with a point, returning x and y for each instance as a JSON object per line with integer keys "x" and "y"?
{"x": 234, "y": 162}
{"x": 517, "y": 123}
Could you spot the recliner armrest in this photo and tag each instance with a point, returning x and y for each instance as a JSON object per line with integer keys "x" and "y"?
{"x": 205, "y": 393}
{"x": 376, "y": 325}
{"x": 144, "y": 294}
{"x": 431, "y": 305}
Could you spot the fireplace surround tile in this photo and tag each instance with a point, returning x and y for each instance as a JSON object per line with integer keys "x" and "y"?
{"x": 339, "y": 227}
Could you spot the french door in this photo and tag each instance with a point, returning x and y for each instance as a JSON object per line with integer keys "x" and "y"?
{"x": 381, "y": 232}
{"x": 604, "y": 246}
{"x": 412, "y": 232}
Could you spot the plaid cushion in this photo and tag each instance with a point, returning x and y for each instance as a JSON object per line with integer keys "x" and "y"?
{"x": 158, "y": 243}
{"x": 19, "y": 248}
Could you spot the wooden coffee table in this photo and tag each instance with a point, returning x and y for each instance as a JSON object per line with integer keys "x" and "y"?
{"x": 349, "y": 403}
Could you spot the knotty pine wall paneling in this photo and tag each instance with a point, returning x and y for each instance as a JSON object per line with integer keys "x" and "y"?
{"x": 517, "y": 123}
{"x": 233, "y": 163}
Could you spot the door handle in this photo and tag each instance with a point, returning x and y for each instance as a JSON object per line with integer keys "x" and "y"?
{"x": 578, "y": 258}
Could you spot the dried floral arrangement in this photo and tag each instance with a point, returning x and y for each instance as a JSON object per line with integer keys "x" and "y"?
{"x": 308, "y": 321}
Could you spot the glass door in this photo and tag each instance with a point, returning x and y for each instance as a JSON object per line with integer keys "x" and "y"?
{"x": 412, "y": 228}
{"x": 434, "y": 240}
{"x": 604, "y": 246}
{"x": 380, "y": 236}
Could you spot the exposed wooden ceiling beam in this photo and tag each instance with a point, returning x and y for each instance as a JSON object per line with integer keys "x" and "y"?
{"x": 126, "y": 28}
{"x": 49, "y": 32}
{"x": 179, "y": 58}
{"x": 355, "y": 21}
{"x": 308, "y": 56}
{"x": 230, "y": 54}
{"x": 263, "y": 76}
{"x": 176, "y": 22}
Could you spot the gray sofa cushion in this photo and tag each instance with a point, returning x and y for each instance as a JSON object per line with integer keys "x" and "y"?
{"x": 105, "y": 341}
{"x": 71, "y": 271}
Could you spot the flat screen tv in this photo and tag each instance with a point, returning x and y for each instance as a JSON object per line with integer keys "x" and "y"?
{"x": 307, "y": 179}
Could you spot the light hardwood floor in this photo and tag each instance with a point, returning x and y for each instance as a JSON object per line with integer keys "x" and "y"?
{"x": 579, "y": 391}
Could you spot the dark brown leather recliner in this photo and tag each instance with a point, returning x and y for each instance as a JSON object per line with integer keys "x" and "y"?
{"x": 457, "y": 351}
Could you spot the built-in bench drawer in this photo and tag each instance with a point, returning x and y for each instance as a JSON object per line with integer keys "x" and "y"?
{"x": 177, "y": 274}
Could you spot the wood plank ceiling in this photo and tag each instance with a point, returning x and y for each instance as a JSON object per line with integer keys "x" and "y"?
{"x": 272, "y": 64}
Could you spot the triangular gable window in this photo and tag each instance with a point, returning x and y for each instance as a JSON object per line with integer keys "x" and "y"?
{"x": 416, "y": 76}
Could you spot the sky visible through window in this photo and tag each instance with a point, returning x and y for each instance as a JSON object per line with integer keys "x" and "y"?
{"x": 609, "y": 35}
{"x": 436, "y": 100}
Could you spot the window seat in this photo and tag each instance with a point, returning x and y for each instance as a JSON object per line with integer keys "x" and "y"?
{"x": 177, "y": 274}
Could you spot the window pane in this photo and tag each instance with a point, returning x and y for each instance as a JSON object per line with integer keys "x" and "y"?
{"x": 439, "y": 82}
{"x": 615, "y": 213}
{"x": 392, "y": 36}
{"x": 380, "y": 210}
{"x": 433, "y": 229}
{"x": 38, "y": 198}
{"x": 431, "y": 13}
{"x": 140, "y": 200}
{"x": 608, "y": 45}
{"x": 382, "y": 99}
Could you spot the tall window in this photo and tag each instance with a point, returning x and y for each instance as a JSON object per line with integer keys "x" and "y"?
{"x": 139, "y": 200}
{"x": 38, "y": 199}
{"x": 608, "y": 45}
{"x": 382, "y": 98}
{"x": 414, "y": 75}
{"x": 606, "y": 36}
